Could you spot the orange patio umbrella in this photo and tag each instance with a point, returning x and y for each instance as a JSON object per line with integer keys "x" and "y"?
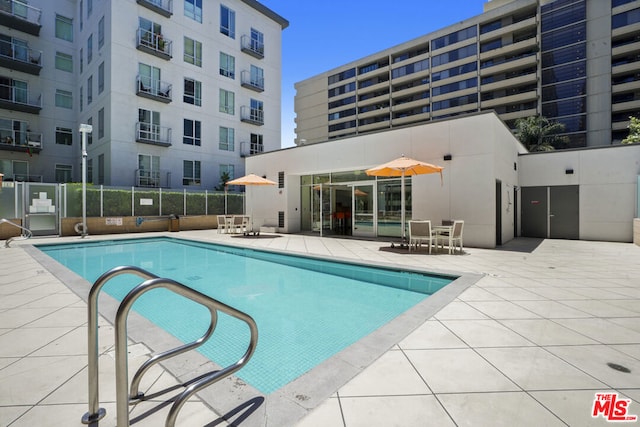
{"x": 251, "y": 179}
{"x": 404, "y": 166}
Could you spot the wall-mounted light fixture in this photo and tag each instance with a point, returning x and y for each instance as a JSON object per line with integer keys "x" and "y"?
{"x": 568, "y": 171}
{"x": 447, "y": 157}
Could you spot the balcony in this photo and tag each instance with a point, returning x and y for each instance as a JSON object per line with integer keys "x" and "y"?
{"x": 20, "y": 58}
{"x": 252, "y": 115}
{"x": 19, "y": 99}
{"x": 163, "y": 7}
{"x": 153, "y": 44}
{"x": 21, "y": 141}
{"x": 153, "y": 89}
{"x": 20, "y": 16}
{"x": 250, "y": 148}
{"x": 252, "y": 82}
{"x": 152, "y": 179}
{"x": 252, "y": 47}
{"x": 148, "y": 133}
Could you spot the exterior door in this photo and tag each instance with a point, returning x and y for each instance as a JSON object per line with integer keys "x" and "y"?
{"x": 364, "y": 210}
{"x": 551, "y": 212}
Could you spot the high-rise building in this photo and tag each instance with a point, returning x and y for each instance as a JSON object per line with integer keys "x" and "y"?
{"x": 576, "y": 62}
{"x": 176, "y": 91}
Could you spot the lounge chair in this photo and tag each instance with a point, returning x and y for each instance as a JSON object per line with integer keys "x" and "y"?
{"x": 239, "y": 224}
{"x": 420, "y": 232}
{"x": 453, "y": 238}
{"x": 222, "y": 224}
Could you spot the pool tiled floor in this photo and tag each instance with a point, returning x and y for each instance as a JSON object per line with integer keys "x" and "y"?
{"x": 526, "y": 345}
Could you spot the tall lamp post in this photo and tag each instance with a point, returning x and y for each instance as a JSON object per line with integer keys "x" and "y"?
{"x": 84, "y": 130}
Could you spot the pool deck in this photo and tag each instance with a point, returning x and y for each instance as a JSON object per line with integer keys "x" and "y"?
{"x": 526, "y": 345}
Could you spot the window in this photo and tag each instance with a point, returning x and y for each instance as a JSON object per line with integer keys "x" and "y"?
{"x": 81, "y": 97}
{"x": 100, "y": 78}
{"x": 89, "y": 7}
{"x": 81, "y": 61}
{"x": 191, "y": 132}
{"x": 89, "y": 90}
{"x": 101, "y": 33}
{"x": 227, "y": 137}
{"x": 280, "y": 179}
{"x": 64, "y": 62}
{"x": 191, "y": 172}
{"x": 90, "y": 134}
{"x": 90, "y": 49}
{"x": 452, "y": 38}
{"x": 101, "y": 123}
{"x": 193, "y": 9}
{"x": 100, "y": 169}
{"x": 149, "y": 79}
{"x": 192, "y": 92}
{"x": 257, "y": 77}
{"x": 227, "y": 65}
{"x": 148, "y": 170}
{"x": 227, "y": 21}
{"x": 229, "y": 170}
{"x": 64, "y": 99}
{"x": 626, "y": 18}
{"x": 64, "y": 136}
{"x": 257, "y": 41}
{"x": 63, "y": 173}
{"x": 257, "y": 110}
{"x": 90, "y": 170}
{"x": 256, "y": 144}
{"x": 192, "y": 52}
{"x": 227, "y": 102}
{"x": 64, "y": 28}
{"x": 149, "y": 125}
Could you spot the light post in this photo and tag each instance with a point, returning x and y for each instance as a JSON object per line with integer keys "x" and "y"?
{"x": 84, "y": 129}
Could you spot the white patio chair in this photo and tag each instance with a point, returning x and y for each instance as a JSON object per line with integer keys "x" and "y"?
{"x": 420, "y": 232}
{"x": 222, "y": 224}
{"x": 453, "y": 238}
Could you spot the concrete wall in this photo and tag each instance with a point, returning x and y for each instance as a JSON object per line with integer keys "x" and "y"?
{"x": 482, "y": 150}
{"x": 607, "y": 177}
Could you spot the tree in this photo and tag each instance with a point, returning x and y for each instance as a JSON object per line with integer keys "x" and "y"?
{"x": 224, "y": 178}
{"x": 634, "y": 131}
{"x": 538, "y": 133}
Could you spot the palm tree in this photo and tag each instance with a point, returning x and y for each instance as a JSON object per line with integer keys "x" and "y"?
{"x": 634, "y": 131}
{"x": 224, "y": 178}
{"x": 538, "y": 133}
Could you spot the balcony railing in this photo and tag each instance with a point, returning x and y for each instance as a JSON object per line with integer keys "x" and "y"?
{"x": 149, "y": 133}
{"x": 163, "y": 7}
{"x": 250, "y": 148}
{"x": 17, "y": 98}
{"x": 252, "y": 115}
{"x": 15, "y": 140}
{"x": 153, "y": 89}
{"x": 146, "y": 178}
{"x": 252, "y": 47}
{"x": 154, "y": 44}
{"x": 20, "y": 16}
{"x": 21, "y": 58}
{"x": 252, "y": 82}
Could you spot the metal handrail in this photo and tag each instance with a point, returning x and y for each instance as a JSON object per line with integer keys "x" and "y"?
{"x": 26, "y": 235}
{"x": 123, "y": 397}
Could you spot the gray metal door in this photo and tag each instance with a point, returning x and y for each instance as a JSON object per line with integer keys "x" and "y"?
{"x": 41, "y": 212}
{"x": 551, "y": 212}
{"x": 564, "y": 212}
{"x": 534, "y": 212}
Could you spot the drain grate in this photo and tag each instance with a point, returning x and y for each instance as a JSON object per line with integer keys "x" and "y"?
{"x": 619, "y": 368}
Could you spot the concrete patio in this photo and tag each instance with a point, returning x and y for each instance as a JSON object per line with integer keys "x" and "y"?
{"x": 526, "y": 345}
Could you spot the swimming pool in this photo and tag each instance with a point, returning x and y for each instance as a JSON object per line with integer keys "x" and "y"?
{"x": 306, "y": 309}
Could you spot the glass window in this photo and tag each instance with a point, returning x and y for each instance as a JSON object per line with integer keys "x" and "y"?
{"x": 257, "y": 145}
{"x": 416, "y": 67}
{"x": 490, "y": 26}
{"x": 227, "y": 65}
{"x": 64, "y": 62}
{"x": 561, "y": 73}
{"x": 227, "y": 139}
{"x": 89, "y": 90}
{"x": 228, "y": 169}
{"x": 191, "y": 134}
{"x": 565, "y": 107}
{"x": 455, "y": 102}
{"x": 349, "y": 87}
{"x": 90, "y": 49}
{"x": 64, "y": 136}
{"x": 101, "y": 123}
{"x": 64, "y": 99}
{"x": 564, "y": 90}
{"x": 227, "y": 102}
{"x": 453, "y": 55}
{"x": 351, "y": 72}
{"x": 452, "y": 38}
{"x": 564, "y": 36}
{"x": 100, "y": 78}
{"x": 227, "y": 21}
{"x": 257, "y": 41}
{"x": 64, "y": 173}
{"x": 90, "y": 134}
{"x": 81, "y": 60}
{"x": 192, "y": 92}
{"x": 193, "y": 9}
{"x": 257, "y": 77}
{"x": 626, "y": 18}
{"x": 100, "y": 169}
{"x": 191, "y": 172}
{"x": 563, "y": 17}
{"x": 452, "y": 87}
{"x": 192, "y": 52}
{"x": 257, "y": 110}
{"x": 64, "y": 28}
{"x": 101, "y": 32}
{"x": 561, "y": 56}
{"x": 462, "y": 69}
{"x": 81, "y": 97}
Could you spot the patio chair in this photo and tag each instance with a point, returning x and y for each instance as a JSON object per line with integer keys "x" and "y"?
{"x": 222, "y": 224}
{"x": 420, "y": 232}
{"x": 454, "y": 238}
{"x": 239, "y": 224}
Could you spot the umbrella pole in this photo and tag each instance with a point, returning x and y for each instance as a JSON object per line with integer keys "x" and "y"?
{"x": 402, "y": 211}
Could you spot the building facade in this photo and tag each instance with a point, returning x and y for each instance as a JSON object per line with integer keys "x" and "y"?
{"x": 573, "y": 61}
{"x": 177, "y": 91}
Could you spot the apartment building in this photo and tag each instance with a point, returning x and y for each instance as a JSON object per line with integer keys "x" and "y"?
{"x": 573, "y": 61}
{"x": 177, "y": 91}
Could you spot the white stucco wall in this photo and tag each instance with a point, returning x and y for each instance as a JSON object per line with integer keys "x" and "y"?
{"x": 607, "y": 177}
{"x": 482, "y": 150}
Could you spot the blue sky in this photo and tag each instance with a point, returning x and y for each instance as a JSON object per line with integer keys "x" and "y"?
{"x": 326, "y": 34}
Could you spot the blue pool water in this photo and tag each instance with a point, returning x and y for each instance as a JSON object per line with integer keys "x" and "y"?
{"x": 306, "y": 309}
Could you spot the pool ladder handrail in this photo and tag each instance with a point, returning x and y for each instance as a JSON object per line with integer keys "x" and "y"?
{"x": 123, "y": 399}
{"x": 27, "y": 234}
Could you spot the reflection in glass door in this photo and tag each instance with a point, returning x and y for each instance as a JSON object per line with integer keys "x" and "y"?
{"x": 363, "y": 210}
